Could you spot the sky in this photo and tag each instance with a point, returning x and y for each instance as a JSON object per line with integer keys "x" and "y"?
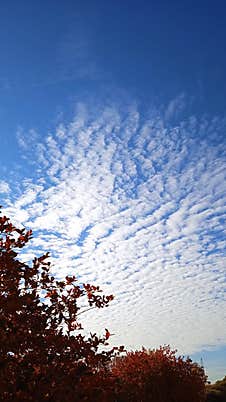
{"x": 113, "y": 118}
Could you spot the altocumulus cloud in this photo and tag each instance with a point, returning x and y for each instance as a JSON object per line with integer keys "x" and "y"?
{"x": 135, "y": 205}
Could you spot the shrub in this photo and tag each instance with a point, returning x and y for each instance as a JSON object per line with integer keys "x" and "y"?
{"x": 158, "y": 376}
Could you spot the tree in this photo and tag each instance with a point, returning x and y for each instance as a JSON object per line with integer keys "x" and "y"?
{"x": 158, "y": 376}
{"x": 216, "y": 392}
{"x": 42, "y": 357}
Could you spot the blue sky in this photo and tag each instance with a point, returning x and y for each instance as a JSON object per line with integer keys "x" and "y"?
{"x": 113, "y": 152}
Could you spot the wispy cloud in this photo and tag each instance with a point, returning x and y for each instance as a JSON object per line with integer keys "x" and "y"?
{"x": 4, "y": 187}
{"x": 123, "y": 201}
{"x": 26, "y": 140}
{"x": 175, "y": 107}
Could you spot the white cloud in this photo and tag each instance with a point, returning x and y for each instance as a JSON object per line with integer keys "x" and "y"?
{"x": 175, "y": 107}
{"x": 4, "y": 187}
{"x": 142, "y": 208}
{"x": 26, "y": 140}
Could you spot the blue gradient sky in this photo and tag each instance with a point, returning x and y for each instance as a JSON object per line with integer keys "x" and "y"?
{"x": 113, "y": 151}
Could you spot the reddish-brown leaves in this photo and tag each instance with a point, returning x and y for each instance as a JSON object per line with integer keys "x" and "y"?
{"x": 158, "y": 376}
{"x": 41, "y": 357}
{"x": 107, "y": 334}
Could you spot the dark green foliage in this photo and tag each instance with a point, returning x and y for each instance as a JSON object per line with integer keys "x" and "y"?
{"x": 216, "y": 392}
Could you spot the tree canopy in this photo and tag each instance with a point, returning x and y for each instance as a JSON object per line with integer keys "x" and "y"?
{"x": 217, "y": 392}
{"x": 41, "y": 355}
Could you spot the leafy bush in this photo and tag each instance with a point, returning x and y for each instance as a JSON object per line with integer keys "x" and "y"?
{"x": 158, "y": 376}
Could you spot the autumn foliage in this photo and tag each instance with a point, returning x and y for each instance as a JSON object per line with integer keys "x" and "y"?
{"x": 42, "y": 358}
{"x": 158, "y": 376}
{"x": 45, "y": 357}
